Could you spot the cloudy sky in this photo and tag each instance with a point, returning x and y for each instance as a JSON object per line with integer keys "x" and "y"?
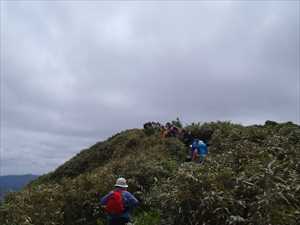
{"x": 74, "y": 72}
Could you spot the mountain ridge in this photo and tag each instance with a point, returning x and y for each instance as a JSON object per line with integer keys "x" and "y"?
{"x": 250, "y": 176}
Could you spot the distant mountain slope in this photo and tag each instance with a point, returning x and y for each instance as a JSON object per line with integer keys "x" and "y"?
{"x": 14, "y": 182}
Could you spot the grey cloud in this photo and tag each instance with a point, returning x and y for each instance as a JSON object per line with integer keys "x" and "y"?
{"x": 75, "y": 73}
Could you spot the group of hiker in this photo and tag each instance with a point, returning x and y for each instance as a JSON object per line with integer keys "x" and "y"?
{"x": 119, "y": 202}
{"x": 197, "y": 147}
{"x": 169, "y": 130}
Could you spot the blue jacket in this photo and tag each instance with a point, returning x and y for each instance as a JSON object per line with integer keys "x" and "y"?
{"x": 202, "y": 149}
{"x": 195, "y": 144}
{"x": 129, "y": 200}
{"x": 200, "y": 146}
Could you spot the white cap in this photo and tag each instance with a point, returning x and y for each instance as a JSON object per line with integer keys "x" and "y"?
{"x": 121, "y": 182}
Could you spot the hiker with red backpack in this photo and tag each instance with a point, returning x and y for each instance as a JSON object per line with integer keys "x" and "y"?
{"x": 118, "y": 203}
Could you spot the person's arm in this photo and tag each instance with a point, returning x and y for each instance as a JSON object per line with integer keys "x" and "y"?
{"x": 104, "y": 199}
{"x": 131, "y": 201}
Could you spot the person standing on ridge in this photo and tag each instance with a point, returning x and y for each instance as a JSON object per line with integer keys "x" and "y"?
{"x": 118, "y": 203}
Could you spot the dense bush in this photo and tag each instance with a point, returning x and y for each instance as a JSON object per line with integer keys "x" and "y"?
{"x": 251, "y": 176}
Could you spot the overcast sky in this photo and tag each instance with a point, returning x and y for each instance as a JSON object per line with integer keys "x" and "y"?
{"x": 74, "y": 72}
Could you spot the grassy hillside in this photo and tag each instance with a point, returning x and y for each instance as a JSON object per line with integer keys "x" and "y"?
{"x": 251, "y": 176}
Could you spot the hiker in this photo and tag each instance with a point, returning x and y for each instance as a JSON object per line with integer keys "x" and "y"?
{"x": 198, "y": 150}
{"x": 118, "y": 203}
{"x": 194, "y": 149}
{"x": 163, "y": 132}
{"x": 174, "y": 132}
{"x": 202, "y": 150}
{"x": 166, "y": 130}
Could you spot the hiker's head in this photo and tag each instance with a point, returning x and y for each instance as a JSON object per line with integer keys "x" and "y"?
{"x": 121, "y": 182}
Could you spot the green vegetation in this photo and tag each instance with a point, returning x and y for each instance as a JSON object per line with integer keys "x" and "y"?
{"x": 251, "y": 176}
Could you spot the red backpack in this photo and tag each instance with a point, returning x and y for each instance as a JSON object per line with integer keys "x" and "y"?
{"x": 115, "y": 203}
